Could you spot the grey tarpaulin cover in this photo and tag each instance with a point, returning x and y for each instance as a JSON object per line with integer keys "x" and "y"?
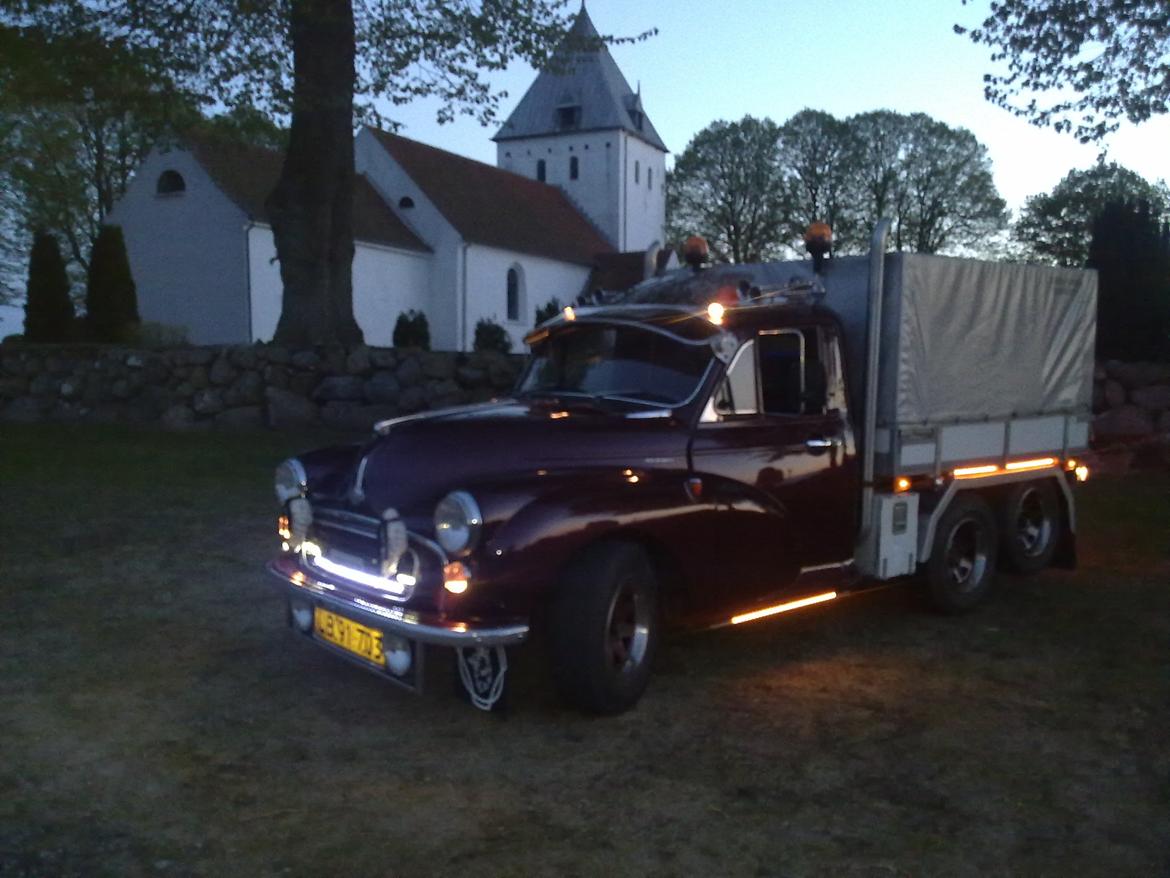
{"x": 973, "y": 340}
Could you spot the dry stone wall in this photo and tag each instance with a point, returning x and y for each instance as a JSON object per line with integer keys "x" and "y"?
{"x": 242, "y": 386}
{"x": 1131, "y": 402}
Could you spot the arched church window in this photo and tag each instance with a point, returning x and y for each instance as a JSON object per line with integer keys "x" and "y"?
{"x": 405, "y": 202}
{"x": 514, "y": 293}
{"x": 637, "y": 172}
{"x": 540, "y": 173}
{"x": 649, "y": 178}
{"x": 170, "y": 183}
{"x": 574, "y": 168}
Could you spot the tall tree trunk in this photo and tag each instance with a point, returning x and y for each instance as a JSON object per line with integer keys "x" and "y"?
{"x": 312, "y": 206}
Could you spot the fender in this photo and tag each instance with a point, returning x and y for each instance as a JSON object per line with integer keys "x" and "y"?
{"x": 527, "y": 544}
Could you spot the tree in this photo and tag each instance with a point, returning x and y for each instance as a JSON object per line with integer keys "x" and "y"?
{"x": 111, "y": 300}
{"x": 1099, "y": 60}
{"x": 727, "y": 185}
{"x": 875, "y": 162}
{"x": 48, "y": 310}
{"x": 950, "y": 200}
{"x": 1056, "y": 227}
{"x": 299, "y": 57}
{"x": 77, "y": 116}
{"x": 1132, "y": 257}
{"x": 813, "y": 149}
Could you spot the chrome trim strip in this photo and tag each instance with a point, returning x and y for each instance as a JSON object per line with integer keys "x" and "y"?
{"x": 396, "y": 622}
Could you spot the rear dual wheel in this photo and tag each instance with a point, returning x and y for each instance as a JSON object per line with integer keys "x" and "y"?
{"x": 960, "y": 572}
{"x": 1030, "y": 526}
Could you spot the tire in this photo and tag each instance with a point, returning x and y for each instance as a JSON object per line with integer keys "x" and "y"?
{"x": 603, "y": 628}
{"x": 1029, "y": 521}
{"x": 961, "y": 569}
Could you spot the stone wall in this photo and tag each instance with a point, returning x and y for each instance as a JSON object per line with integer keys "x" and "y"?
{"x": 1131, "y": 402}
{"x": 241, "y": 386}
{"x": 349, "y": 389}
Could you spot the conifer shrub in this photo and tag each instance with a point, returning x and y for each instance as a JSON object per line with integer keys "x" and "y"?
{"x": 490, "y": 336}
{"x": 48, "y": 310}
{"x": 548, "y": 311}
{"x": 111, "y": 300}
{"x": 412, "y": 331}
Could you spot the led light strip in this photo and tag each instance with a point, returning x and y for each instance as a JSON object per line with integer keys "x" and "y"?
{"x": 783, "y": 608}
{"x": 398, "y": 585}
{"x": 1015, "y": 466}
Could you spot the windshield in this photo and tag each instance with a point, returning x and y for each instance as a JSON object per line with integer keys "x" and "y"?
{"x": 616, "y": 362}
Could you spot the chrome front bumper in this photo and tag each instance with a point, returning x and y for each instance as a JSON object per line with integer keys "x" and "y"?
{"x": 394, "y": 620}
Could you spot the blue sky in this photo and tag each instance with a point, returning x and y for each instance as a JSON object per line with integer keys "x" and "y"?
{"x": 737, "y": 57}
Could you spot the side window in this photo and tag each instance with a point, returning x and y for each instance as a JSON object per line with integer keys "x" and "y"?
{"x": 637, "y": 171}
{"x": 738, "y": 394}
{"x": 781, "y": 357}
{"x": 540, "y": 173}
{"x": 780, "y": 372}
{"x": 574, "y": 168}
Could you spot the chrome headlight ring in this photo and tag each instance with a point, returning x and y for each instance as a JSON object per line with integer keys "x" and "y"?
{"x": 458, "y": 523}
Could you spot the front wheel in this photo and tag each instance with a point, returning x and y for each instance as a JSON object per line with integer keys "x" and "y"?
{"x": 604, "y": 628}
{"x": 961, "y": 569}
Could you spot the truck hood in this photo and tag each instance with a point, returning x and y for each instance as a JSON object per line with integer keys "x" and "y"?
{"x": 418, "y": 460}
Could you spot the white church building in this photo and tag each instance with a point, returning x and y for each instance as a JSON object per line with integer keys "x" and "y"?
{"x": 576, "y": 202}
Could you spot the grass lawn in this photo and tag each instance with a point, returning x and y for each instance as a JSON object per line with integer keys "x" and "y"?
{"x": 156, "y": 717}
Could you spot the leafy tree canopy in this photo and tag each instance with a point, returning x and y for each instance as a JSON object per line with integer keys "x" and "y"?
{"x": 1056, "y": 227}
{"x": 753, "y": 187}
{"x": 1078, "y": 66}
{"x": 727, "y": 185}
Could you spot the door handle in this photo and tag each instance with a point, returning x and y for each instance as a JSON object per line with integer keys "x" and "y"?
{"x": 820, "y": 442}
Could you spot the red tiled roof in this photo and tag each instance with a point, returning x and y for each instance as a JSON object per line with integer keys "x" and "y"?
{"x": 615, "y": 272}
{"x": 247, "y": 174}
{"x": 497, "y": 208}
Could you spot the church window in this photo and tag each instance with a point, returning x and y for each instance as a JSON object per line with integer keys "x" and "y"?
{"x": 514, "y": 293}
{"x": 405, "y": 202}
{"x": 649, "y": 178}
{"x": 170, "y": 183}
{"x": 637, "y": 172}
{"x": 574, "y": 168}
{"x": 540, "y": 170}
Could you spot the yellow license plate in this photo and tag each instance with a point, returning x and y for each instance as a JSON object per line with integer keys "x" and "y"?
{"x": 349, "y": 635}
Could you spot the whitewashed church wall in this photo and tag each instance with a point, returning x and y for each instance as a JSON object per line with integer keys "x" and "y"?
{"x": 386, "y": 282}
{"x": 644, "y": 195}
{"x": 186, "y": 251}
{"x": 424, "y": 219}
{"x": 597, "y": 189}
{"x": 540, "y": 280}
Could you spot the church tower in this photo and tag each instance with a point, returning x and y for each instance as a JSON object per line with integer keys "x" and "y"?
{"x": 581, "y": 127}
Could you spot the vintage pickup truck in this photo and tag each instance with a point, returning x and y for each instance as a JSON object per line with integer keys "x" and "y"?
{"x": 714, "y": 447}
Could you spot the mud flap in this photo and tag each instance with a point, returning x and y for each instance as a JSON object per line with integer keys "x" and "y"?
{"x": 483, "y": 671}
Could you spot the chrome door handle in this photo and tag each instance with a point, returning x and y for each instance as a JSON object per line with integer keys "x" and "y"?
{"x": 820, "y": 443}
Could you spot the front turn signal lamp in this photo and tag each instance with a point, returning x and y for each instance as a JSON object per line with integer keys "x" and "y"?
{"x": 456, "y": 577}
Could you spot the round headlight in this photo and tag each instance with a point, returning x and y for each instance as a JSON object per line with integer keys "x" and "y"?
{"x": 457, "y": 522}
{"x": 291, "y": 480}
